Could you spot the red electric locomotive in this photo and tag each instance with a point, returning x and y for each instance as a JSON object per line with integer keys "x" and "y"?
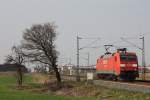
{"x": 120, "y": 65}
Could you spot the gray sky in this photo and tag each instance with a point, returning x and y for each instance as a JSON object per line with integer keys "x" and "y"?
{"x": 108, "y": 19}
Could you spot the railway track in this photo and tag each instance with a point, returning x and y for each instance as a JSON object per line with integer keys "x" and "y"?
{"x": 139, "y": 82}
{"x": 136, "y": 86}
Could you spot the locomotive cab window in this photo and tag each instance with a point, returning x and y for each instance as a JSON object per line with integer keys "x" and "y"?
{"x": 128, "y": 57}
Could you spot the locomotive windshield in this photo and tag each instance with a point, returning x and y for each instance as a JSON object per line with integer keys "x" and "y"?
{"x": 128, "y": 57}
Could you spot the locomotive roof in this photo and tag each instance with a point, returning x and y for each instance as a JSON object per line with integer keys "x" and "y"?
{"x": 128, "y": 53}
{"x": 121, "y": 53}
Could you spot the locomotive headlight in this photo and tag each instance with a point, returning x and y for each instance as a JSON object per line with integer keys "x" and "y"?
{"x": 122, "y": 65}
{"x": 134, "y": 65}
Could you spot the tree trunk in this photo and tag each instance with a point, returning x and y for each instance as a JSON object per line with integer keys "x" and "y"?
{"x": 19, "y": 76}
{"x": 57, "y": 75}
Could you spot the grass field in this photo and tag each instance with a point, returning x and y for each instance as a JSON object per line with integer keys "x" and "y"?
{"x": 8, "y": 91}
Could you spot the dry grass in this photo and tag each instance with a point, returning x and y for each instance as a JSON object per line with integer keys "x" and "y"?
{"x": 40, "y": 78}
{"x": 79, "y": 91}
{"x": 7, "y": 73}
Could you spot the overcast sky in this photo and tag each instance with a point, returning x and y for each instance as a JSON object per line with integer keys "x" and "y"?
{"x": 107, "y": 19}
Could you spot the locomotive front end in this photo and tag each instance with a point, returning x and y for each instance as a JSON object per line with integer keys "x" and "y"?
{"x": 128, "y": 66}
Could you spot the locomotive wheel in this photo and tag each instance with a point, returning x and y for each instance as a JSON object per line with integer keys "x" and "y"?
{"x": 128, "y": 78}
{"x": 115, "y": 78}
{"x": 108, "y": 77}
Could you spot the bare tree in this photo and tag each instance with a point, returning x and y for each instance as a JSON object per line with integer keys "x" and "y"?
{"x": 41, "y": 68}
{"x": 18, "y": 60}
{"x": 39, "y": 46}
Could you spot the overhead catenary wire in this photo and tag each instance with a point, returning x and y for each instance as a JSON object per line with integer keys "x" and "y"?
{"x": 131, "y": 43}
{"x": 88, "y": 45}
{"x": 78, "y": 55}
